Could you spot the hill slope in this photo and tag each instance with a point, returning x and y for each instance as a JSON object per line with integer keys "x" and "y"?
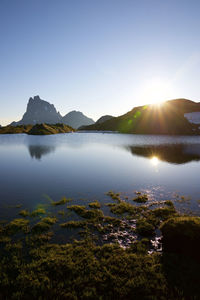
{"x": 151, "y": 119}
{"x": 103, "y": 119}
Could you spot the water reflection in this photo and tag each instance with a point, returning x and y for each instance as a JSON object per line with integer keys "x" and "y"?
{"x": 86, "y": 165}
{"x": 37, "y": 151}
{"x": 174, "y": 154}
{"x": 154, "y": 161}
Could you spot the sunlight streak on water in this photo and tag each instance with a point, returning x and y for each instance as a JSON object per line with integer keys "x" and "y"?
{"x": 154, "y": 161}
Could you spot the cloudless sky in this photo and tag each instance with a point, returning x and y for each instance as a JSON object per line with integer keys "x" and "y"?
{"x": 97, "y": 56}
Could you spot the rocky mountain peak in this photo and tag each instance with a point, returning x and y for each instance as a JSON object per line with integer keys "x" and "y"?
{"x": 40, "y": 111}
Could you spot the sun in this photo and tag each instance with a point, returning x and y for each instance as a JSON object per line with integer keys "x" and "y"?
{"x": 156, "y": 91}
{"x": 157, "y": 103}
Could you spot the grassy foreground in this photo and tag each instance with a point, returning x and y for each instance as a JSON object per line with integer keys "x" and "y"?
{"x": 116, "y": 256}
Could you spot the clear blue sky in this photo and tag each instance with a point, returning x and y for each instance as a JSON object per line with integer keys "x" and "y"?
{"x": 97, "y": 56}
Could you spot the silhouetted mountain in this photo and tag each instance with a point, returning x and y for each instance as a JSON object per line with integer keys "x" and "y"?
{"x": 76, "y": 119}
{"x": 173, "y": 153}
{"x": 169, "y": 118}
{"x": 39, "y": 111}
{"x": 103, "y": 119}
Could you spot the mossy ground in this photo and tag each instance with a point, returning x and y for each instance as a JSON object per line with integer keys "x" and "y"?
{"x": 38, "y": 129}
{"x": 110, "y": 259}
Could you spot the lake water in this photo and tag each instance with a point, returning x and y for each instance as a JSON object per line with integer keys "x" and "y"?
{"x": 84, "y": 166}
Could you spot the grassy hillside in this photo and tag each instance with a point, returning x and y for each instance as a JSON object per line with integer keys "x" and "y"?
{"x": 38, "y": 129}
{"x": 44, "y": 129}
{"x": 15, "y": 129}
{"x": 151, "y": 119}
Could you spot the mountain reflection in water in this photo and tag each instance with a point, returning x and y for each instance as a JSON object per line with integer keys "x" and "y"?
{"x": 174, "y": 153}
{"x": 37, "y": 151}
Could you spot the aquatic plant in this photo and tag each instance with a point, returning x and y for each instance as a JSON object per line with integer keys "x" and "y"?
{"x": 141, "y": 198}
{"x": 86, "y": 213}
{"x": 144, "y": 228}
{"x": 38, "y": 212}
{"x": 62, "y": 201}
{"x": 24, "y": 213}
{"x": 73, "y": 224}
{"x": 95, "y": 204}
{"x": 17, "y": 225}
{"x": 164, "y": 212}
{"x": 169, "y": 203}
{"x": 114, "y": 196}
{"x": 124, "y": 207}
{"x": 43, "y": 225}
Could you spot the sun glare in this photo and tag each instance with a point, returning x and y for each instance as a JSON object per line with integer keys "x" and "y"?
{"x": 156, "y": 91}
{"x": 158, "y": 103}
{"x": 154, "y": 161}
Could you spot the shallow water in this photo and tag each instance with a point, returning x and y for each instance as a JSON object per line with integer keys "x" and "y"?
{"x": 84, "y": 166}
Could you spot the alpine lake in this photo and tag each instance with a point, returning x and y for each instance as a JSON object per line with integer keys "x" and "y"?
{"x": 84, "y": 167}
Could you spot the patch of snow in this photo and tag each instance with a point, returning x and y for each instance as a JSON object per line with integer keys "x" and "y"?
{"x": 193, "y": 117}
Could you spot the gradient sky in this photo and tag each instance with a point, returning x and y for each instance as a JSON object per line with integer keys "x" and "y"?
{"x": 97, "y": 56}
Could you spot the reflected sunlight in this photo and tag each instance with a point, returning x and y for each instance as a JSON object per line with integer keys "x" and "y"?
{"x": 154, "y": 161}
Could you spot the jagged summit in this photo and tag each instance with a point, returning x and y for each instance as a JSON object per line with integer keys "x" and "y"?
{"x": 40, "y": 111}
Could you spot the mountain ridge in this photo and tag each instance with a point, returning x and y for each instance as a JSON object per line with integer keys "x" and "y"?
{"x": 75, "y": 117}
{"x": 39, "y": 111}
{"x": 167, "y": 118}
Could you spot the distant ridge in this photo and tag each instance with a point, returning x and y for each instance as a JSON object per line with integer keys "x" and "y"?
{"x": 169, "y": 118}
{"x": 76, "y": 119}
{"x": 103, "y": 119}
{"x": 40, "y": 111}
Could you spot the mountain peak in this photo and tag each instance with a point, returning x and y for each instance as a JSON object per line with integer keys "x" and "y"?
{"x": 77, "y": 119}
{"x": 40, "y": 111}
{"x": 35, "y": 98}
